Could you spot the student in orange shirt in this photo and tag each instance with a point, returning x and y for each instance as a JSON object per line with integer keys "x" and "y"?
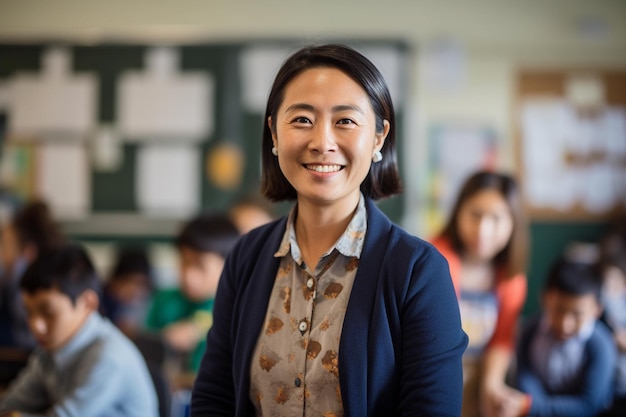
{"x": 485, "y": 243}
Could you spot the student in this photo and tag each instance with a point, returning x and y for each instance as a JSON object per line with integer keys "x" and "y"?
{"x": 84, "y": 366}
{"x": 613, "y": 268}
{"x": 249, "y": 212}
{"x": 184, "y": 314}
{"x": 128, "y": 291}
{"x": 566, "y": 357}
{"x": 331, "y": 310}
{"x": 30, "y": 231}
{"x": 485, "y": 243}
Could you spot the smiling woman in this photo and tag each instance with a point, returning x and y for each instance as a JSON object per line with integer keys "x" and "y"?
{"x": 322, "y": 312}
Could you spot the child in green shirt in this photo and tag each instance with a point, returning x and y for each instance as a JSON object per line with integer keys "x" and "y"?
{"x": 185, "y": 314}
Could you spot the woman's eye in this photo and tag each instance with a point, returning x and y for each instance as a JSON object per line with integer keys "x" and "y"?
{"x": 301, "y": 119}
{"x": 345, "y": 122}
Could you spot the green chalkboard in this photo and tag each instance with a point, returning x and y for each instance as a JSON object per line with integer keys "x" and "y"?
{"x": 115, "y": 191}
{"x": 547, "y": 243}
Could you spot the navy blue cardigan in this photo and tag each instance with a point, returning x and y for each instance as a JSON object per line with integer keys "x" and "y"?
{"x": 401, "y": 342}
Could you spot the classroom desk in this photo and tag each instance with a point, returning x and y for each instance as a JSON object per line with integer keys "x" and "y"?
{"x": 12, "y": 360}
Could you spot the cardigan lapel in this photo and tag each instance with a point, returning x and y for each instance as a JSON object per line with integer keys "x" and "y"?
{"x": 353, "y": 357}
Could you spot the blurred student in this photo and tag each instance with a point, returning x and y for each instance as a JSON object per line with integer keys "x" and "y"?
{"x": 31, "y": 231}
{"x": 84, "y": 365}
{"x": 185, "y": 314}
{"x": 485, "y": 243}
{"x": 127, "y": 293}
{"x": 250, "y": 212}
{"x": 613, "y": 264}
{"x": 566, "y": 356}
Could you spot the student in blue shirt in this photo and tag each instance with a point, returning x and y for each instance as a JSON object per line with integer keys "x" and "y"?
{"x": 566, "y": 356}
{"x": 84, "y": 366}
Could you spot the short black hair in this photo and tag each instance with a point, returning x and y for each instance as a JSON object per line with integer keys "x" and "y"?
{"x": 132, "y": 260}
{"x": 209, "y": 232}
{"x": 574, "y": 278}
{"x": 67, "y": 269}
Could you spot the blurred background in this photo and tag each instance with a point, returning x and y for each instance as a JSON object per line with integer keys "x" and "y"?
{"x": 129, "y": 117}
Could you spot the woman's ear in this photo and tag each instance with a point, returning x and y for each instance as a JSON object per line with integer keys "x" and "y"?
{"x": 382, "y": 136}
{"x": 272, "y": 130}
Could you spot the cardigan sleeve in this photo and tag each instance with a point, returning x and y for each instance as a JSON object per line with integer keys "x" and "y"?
{"x": 433, "y": 342}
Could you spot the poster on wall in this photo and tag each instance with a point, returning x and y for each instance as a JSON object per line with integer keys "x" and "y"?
{"x": 456, "y": 151}
{"x": 574, "y": 162}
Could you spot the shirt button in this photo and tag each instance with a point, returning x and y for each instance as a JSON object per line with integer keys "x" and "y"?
{"x": 303, "y": 326}
{"x": 297, "y": 382}
{"x": 310, "y": 283}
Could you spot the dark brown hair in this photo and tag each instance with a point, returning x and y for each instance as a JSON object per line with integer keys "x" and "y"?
{"x": 34, "y": 225}
{"x": 383, "y": 179}
{"x": 513, "y": 257}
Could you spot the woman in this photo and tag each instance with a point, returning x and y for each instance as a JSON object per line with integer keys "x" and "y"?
{"x": 332, "y": 310}
{"x": 485, "y": 244}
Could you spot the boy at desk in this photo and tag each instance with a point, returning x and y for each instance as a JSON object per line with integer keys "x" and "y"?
{"x": 84, "y": 366}
{"x": 566, "y": 356}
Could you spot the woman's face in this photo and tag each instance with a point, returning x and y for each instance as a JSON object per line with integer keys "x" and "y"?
{"x": 326, "y": 136}
{"x": 485, "y": 224}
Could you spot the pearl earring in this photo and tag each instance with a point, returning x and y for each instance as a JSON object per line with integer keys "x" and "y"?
{"x": 378, "y": 156}
{"x": 275, "y": 151}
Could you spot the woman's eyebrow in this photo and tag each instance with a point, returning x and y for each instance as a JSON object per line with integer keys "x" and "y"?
{"x": 334, "y": 109}
{"x": 299, "y": 106}
{"x": 346, "y": 107}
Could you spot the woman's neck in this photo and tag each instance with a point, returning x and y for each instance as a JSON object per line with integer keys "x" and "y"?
{"x": 319, "y": 227}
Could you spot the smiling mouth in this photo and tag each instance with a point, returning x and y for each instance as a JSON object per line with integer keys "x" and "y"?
{"x": 324, "y": 168}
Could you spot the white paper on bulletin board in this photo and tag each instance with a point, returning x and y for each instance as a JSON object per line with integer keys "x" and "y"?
{"x": 258, "y": 67}
{"x": 63, "y": 178}
{"x": 456, "y": 151}
{"x": 168, "y": 180}
{"x": 53, "y": 102}
{"x": 161, "y": 102}
{"x": 571, "y": 160}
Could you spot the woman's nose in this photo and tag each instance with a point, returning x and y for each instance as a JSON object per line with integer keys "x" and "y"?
{"x": 322, "y": 139}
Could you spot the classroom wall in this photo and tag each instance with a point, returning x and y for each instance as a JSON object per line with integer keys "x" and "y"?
{"x": 488, "y": 42}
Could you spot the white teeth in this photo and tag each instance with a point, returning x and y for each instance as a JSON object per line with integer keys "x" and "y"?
{"x": 324, "y": 168}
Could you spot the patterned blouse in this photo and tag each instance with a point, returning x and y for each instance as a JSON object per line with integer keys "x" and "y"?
{"x": 294, "y": 369}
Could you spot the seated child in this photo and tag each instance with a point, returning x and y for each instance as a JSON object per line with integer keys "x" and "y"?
{"x": 185, "y": 314}
{"x": 84, "y": 366}
{"x": 126, "y": 294}
{"x": 566, "y": 357}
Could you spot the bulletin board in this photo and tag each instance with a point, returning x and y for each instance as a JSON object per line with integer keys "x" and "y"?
{"x": 573, "y": 217}
{"x": 571, "y": 143}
